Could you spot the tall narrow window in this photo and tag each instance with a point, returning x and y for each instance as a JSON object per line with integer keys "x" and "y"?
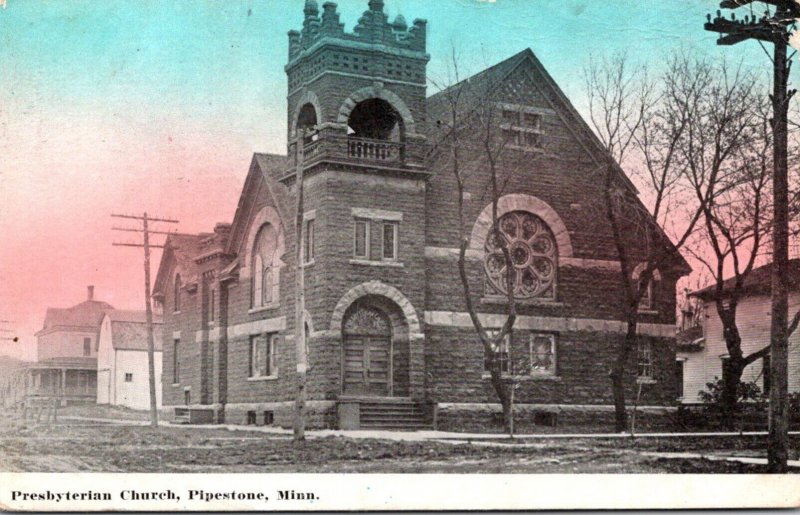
{"x": 263, "y": 361}
{"x": 679, "y": 364}
{"x": 176, "y": 361}
{"x": 645, "y": 360}
{"x": 308, "y": 249}
{"x": 264, "y": 251}
{"x": 212, "y": 305}
{"x": 177, "y": 294}
{"x": 390, "y": 240}
{"x": 765, "y": 373}
{"x": 87, "y": 346}
{"x": 361, "y": 239}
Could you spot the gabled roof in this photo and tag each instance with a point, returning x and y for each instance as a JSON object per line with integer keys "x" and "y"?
{"x": 759, "y": 280}
{"x": 187, "y": 250}
{"x": 264, "y": 170}
{"x": 129, "y": 315}
{"x": 129, "y": 330}
{"x": 84, "y": 316}
{"x": 475, "y": 89}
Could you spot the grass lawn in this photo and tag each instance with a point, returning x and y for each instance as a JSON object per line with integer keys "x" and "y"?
{"x": 77, "y": 445}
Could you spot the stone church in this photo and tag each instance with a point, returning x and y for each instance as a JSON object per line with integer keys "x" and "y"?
{"x": 388, "y": 337}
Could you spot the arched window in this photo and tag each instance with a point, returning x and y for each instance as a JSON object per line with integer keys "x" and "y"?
{"x": 177, "y": 293}
{"x": 533, "y": 256}
{"x": 647, "y": 301}
{"x": 264, "y": 250}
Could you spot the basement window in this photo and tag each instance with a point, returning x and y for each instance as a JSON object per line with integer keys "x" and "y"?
{"x": 128, "y": 377}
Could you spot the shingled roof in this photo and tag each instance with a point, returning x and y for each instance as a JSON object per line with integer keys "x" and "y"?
{"x": 188, "y": 250}
{"x": 759, "y": 280}
{"x": 84, "y": 316}
{"x": 129, "y": 330}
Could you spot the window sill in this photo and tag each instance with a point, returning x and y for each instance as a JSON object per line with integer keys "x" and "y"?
{"x": 176, "y": 312}
{"x": 647, "y": 311}
{"x": 534, "y": 150}
{"x": 645, "y": 380}
{"x": 532, "y": 377}
{"x": 265, "y": 307}
{"x": 262, "y": 378}
{"x": 501, "y": 300}
{"x": 369, "y": 262}
{"x": 176, "y": 385}
{"x": 308, "y": 264}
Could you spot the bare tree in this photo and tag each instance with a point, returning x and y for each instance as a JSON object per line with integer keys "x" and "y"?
{"x": 642, "y": 124}
{"x": 728, "y": 159}
{"x": 470, "y": 133}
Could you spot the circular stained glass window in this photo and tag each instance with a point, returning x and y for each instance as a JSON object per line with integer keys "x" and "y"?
{"x": 531, "y": 259}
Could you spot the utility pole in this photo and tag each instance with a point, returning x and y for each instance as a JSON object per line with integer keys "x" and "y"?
{"x": 299, "y": 318}
{"x": 773, "y": 27}
{"x": 146, "y": 232}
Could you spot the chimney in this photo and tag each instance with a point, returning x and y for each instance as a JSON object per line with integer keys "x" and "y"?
{"x": 90, "y": 292}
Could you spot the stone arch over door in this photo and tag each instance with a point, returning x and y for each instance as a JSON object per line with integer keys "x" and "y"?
{"x": 376, "y": 325}
{"x": 367, "y": 351}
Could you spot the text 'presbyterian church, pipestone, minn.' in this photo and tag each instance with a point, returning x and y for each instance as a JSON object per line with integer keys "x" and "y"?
{"x": 389, "y": 341}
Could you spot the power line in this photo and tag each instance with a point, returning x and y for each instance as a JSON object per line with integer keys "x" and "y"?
{"x": 146, "y": 219}
{"x": 773, "y": 27}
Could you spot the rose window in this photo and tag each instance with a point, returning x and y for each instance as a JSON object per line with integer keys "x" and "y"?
{"x": 532, "y": 256}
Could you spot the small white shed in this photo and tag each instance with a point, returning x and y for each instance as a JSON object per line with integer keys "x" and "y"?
{"x": 122, "y": 370}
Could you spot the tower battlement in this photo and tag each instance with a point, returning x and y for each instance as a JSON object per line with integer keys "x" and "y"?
{"x": 373, "y": 28}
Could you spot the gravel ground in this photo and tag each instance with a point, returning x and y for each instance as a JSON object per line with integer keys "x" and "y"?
{"x": 79, "y": 445}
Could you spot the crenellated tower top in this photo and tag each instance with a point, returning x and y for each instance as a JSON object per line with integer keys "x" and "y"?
{"x": 361, "y": 93}
{"x": 373, "y": 28}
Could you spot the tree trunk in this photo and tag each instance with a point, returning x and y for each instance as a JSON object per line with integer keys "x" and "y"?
{"x": 618, "y": 377}
{"x": 732, "y": 371}
{"x": 505, "y": 399}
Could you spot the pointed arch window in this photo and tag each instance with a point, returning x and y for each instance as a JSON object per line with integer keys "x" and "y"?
{"x": 649, "y": 289}
{"x": 177, "y": 294}
{"x": 263, "y": 273}
{"x": 533, "y": 257}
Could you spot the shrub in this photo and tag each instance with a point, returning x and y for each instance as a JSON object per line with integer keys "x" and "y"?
{"x": 745, "y": 392}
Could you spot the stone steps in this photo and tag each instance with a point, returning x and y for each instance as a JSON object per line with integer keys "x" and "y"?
{"x": 394, "y": 415}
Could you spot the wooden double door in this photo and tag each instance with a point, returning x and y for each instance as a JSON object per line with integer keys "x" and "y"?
{"x": 367, "y": 354}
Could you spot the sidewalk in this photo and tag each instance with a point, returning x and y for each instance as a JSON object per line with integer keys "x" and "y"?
{"x": 419, "y": 436}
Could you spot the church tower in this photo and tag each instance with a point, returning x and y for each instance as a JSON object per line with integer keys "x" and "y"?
{"x": 356, "y": 105}
{"x": 363, "y": 92}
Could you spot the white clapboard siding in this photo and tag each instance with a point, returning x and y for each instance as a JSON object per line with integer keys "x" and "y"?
{"x": 753, "y": 321}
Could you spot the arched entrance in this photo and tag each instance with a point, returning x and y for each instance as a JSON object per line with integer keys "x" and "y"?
{"x": 366, "y": 351}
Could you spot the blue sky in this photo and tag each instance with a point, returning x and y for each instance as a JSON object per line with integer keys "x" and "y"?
{"x": 158, "y": 105}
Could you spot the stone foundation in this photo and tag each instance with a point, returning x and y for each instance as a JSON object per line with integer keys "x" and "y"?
{"x": 319, "y": 414}
{"x": 550, "y": 418}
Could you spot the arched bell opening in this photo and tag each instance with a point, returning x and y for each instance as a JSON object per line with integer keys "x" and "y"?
{"x": 375, "y": 351}
{"x": 307, "y": 122}
{"x": 375, "y": 130}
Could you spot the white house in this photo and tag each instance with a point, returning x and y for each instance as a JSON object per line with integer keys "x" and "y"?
{"x": 122, "y": 372}
{"x": 700, "y": 354}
